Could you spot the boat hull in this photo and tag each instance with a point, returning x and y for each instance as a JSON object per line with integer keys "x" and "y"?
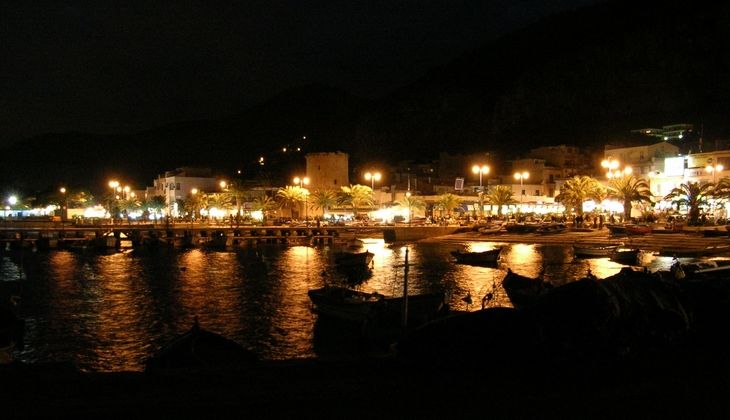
{"x": 477, "y": 258}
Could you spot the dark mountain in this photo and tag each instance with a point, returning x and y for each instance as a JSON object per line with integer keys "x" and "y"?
{"x": 325, "y": 116}
{"x": 585, "y": 77}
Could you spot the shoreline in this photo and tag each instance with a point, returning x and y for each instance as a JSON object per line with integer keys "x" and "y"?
{"x": 648, "y": 242}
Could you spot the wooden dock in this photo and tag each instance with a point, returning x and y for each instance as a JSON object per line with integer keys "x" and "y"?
{"x": 108, "y": 236}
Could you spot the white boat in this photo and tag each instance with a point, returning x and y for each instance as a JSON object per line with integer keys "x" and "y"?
{"x": 588, "y": 251}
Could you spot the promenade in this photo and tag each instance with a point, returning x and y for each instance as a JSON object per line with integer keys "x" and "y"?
{"x": 657, "y": 242}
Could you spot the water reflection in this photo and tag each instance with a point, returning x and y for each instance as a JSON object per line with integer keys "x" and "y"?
{"x": 110, "y": 312}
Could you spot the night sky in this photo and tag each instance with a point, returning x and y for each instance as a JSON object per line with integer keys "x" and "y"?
{"x": 91, "y": 66}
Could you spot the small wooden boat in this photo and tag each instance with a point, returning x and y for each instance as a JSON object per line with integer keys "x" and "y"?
{"x": 522, "y": 290}
{"x": 629, "y": 256}
{"x": 477, "y": 258}
{"x": 198, "y": 349}
{"x": 354, "y": 259}
{"x": 355, "y": 306}
{"x": 695, "y": 252}
{"x": 521, "y": 227}
{"x": 551, "y": 228}
{"x": 638, "y": 229}
{"x": 490, "y": 229}
{"x": 592, "y": 251}
{"x": 616, "y": 229}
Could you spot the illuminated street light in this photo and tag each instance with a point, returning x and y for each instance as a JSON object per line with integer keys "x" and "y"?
{"x": 713, "y": 169}
{"x": 522, "y": 176}
{"x": 64, "y": 213}
{"x": 12, "y": 200}
{"x": 483, "y": 169}
{"x": 372, "y": 177}
{"x": 302, "y": 182}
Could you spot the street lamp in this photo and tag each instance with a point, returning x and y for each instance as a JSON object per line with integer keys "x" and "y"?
{"x": 619, "y": 173}
{"x": 372, "y": 177}
{"x": 713, "y": 169}
{"x": 522, "y": 176}
{"x": 113, "y": 184}
{"x": 410, "y": 215}
{"x": 302, "y": 182}
{"x": 64, "y": 213}
{"x": 193, "y": 193}
{"x": 483, "y": 169}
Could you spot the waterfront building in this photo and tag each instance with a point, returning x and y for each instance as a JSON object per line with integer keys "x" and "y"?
{"x": 178, "y": 184}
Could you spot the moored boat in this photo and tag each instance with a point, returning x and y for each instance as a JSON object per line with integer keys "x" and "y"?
{"x": 638, "y": 229}
{"x": 629, "y": 256}
{"x": 616, "y": 229}
{"x": 590, "y": 251}
{"x": 522, "y": 290}
{"x": 695, "y": 252}
{"x": 355, "y": 306}
{"x": 477, "y": 258}
{"x": 354, "y": 259}
{"x": 199, "y": 348}
{"x": 550, "y": 228}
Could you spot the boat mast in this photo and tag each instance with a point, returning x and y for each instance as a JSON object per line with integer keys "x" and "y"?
{"x": 404, "y": 312}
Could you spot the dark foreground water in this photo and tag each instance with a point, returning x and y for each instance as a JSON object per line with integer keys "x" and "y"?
{"x": 111, "y": 312}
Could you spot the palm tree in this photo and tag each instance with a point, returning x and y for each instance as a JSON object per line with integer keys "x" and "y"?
{"x": 236, "y": 195}
{"x": 264, "y": 204}
{"x": 693, "y": 195}
{"x": 356, "y": 196}
{"x": 447, "y": 202}
{"x": 193, "y": 203}
{"x": 291, "y": 196}
{"x": 579, "y": 189}
{"x": 629, "y": 189}
{"x": 499, "y": 196}
{"x": 411, "y": 202}
{"x": 218, "y": 200}
{"x": 156, "y": 204}
{"x": 323, "y": 200}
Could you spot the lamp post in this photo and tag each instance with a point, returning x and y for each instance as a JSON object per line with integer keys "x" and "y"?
{"x": 410, "y": 215}
{"x": 481, "y": 169}
{"x": 113, "y": 184}
{"x": 713, "y": 169}
{"x": 522, "y": 176}
{"x": 193, "y": 194}
{"x": 372, "y": 177}
{"x": 477, "y": 169}
{"x": 64, "y": 212}
{"x": 302, "y": 182}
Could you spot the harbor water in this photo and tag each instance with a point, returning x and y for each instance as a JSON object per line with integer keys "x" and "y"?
{"x": 110, "y": 312}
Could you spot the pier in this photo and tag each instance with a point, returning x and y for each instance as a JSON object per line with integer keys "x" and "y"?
{"x": 52, "y": 235}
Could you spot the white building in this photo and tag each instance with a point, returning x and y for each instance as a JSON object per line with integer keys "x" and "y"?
{"x": 178, "y": 184}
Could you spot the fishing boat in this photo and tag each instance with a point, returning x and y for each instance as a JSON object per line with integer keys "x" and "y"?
{"x": 522, "y": 290}
{"x": 199, "y": 348}
{"x": 695, "y": 252}
{"x": 354, "y": 259}
{"x": 592, "y": 251}
{"x": 638, "y": 229}
{"x": 353, "y": 305}
{"x": 375, "y": 309}
{"x": 629, "y": 256}
{"x": 490, "y": 229}
{"x": 551, "y": 228}
{"x": 616, "y": 229}
{"x": 477, "y": 258}
{"x": 521, "y": 227}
